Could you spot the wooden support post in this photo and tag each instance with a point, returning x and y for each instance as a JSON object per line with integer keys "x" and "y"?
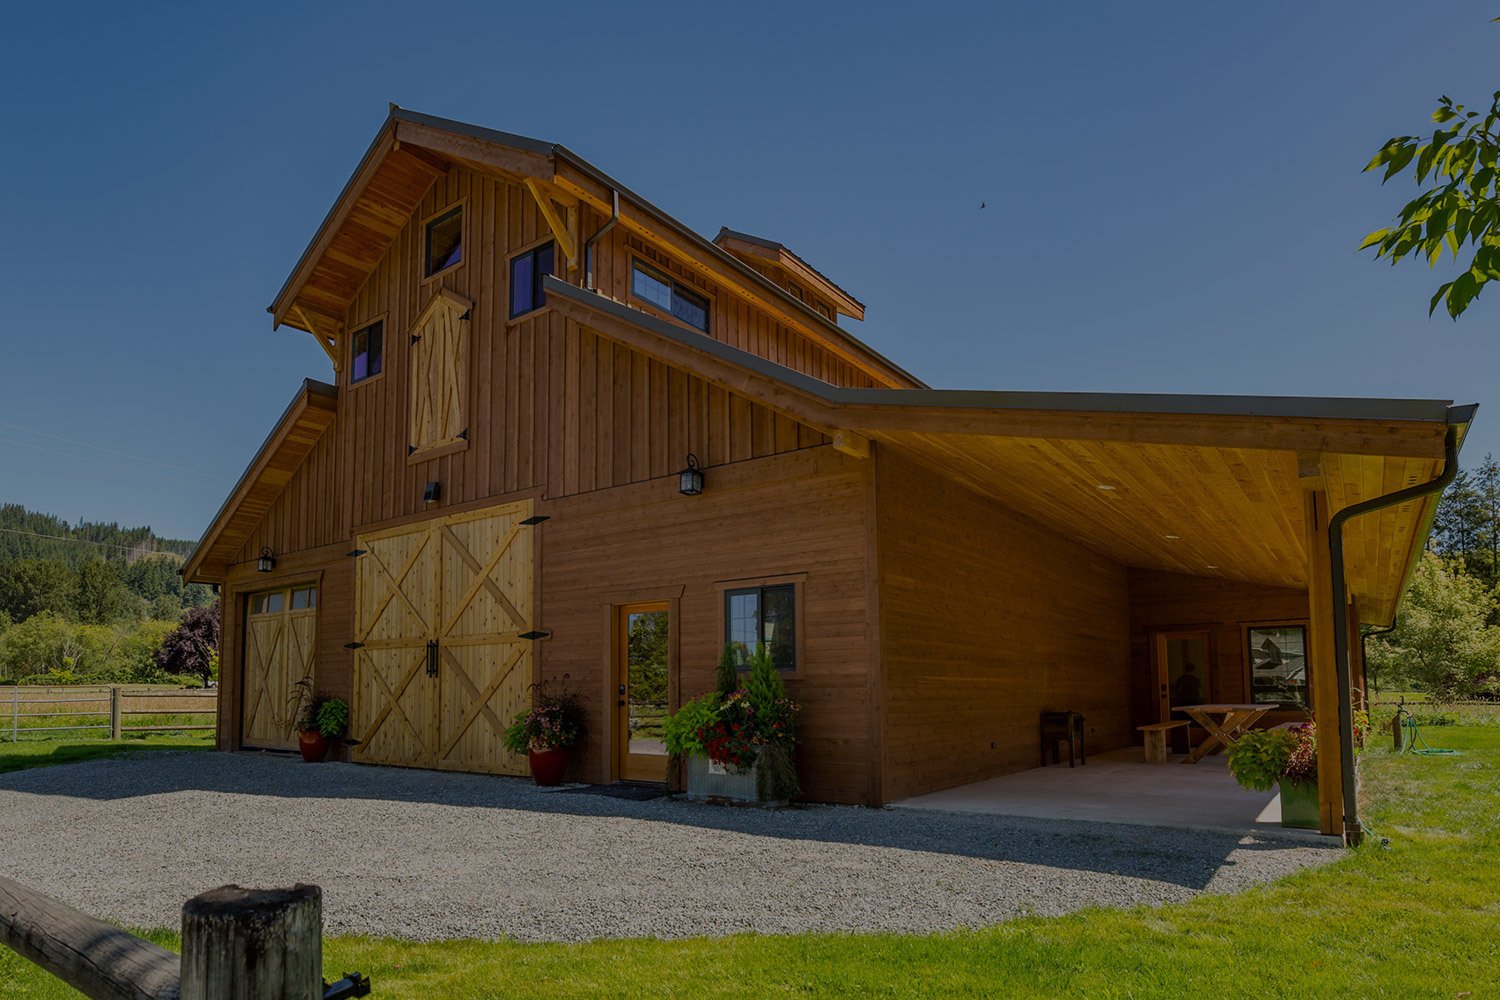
{"x": 15, "y": 713}
{"x": 93, "y": 957}
{"x": 253, "y": 944}
{"x": 1321, "y": 669}
{"x": 114, "y": 711}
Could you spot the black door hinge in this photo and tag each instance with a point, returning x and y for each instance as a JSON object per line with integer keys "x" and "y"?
{"x": 353, "y": 645}
{"x": 535, "y": 634}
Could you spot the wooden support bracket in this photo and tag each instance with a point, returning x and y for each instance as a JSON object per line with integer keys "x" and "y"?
{"x": 329, "y": 344}
{"x": 567, "y": 240}
{"x": 852, "y": 444}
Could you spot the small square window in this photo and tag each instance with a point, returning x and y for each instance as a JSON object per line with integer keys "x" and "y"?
{"x": 1278, "y": 666}
{"x": 526, "y": 273}
{"x": 650, "y": 285}
{"x": 796, "y": 291}
{"x": 766, "y": 615}
{"x": 268, "y": 603}
{"x": 367, "y": 353}
{"x": 304, "y": 598}
{"x": 444, "y": 242}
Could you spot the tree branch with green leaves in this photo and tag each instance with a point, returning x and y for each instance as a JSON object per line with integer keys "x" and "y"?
{"x": 1460, "y": 210}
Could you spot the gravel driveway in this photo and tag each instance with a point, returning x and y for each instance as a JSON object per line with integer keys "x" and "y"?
{"x": 421, "y": 854}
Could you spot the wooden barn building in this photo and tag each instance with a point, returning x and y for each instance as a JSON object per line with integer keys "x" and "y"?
{"x": 526, "y": 354}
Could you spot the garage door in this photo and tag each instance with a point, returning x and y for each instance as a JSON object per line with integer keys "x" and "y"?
{"x": 440, "y": 663}
{"x": 280, "y": 649}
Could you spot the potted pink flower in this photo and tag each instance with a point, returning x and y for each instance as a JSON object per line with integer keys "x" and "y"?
{"x": 546, "y": 733}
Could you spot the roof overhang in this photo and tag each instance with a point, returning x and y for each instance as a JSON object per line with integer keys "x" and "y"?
{"x": 303, "y": 422}
{"x": 1204, "y": 485}
{"x": 780, "y": 257}
{"x": 412, "y": 150}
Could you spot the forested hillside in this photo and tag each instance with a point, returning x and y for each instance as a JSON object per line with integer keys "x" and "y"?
{"x": 90, "y": 601}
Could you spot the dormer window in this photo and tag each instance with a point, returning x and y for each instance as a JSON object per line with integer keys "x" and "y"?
{"x": 366, "y": 353}
{"x": 444, "y": 242}
{"x": 656, "y": 289}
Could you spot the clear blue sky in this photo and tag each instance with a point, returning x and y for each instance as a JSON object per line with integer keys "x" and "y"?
{"x": 1174, "y": 194}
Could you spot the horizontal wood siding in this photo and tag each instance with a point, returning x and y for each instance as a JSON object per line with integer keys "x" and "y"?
{"x": 791, "y": 514}
{"x": 1173, "y": 602}
{"x": 988, "y": 619}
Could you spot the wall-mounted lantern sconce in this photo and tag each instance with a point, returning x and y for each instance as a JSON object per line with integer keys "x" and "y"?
{"x": 690, "y": 480}
{"x": 267, "y": 561}
{"x": 433, "y": 493}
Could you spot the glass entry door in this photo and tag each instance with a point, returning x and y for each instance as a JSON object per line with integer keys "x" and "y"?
{"x": 644, "y": 678}
{"x": 1182, "y": 670}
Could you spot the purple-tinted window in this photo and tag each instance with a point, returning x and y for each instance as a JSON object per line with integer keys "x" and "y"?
{"x": 366, "y": 361}
{"x": 526, "y": 274}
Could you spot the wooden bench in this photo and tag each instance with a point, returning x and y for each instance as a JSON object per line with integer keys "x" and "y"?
{"x": 1156, "y": 740}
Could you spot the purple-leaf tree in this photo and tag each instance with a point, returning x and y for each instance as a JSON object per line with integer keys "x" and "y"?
{"x": 193, "y": 646}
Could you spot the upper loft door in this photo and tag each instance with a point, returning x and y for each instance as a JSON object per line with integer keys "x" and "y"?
{"x": 439, "y": 375}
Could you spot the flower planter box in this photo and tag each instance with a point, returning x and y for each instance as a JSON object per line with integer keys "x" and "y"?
{"x": 1299, "y": 804}
{"x": 710, "y": 782}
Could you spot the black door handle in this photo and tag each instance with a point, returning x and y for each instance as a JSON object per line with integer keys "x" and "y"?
{"x": 432, "y": 657}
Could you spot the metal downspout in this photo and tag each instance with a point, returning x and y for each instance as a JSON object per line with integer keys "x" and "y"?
{"x": 588, "y": 247}
{"x": 1353, "y": 833}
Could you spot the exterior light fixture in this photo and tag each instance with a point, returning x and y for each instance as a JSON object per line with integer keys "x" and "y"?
{"x": 433, "y": 493}
{"x": 690, "y": 480}
{"x": 267, "y": 561}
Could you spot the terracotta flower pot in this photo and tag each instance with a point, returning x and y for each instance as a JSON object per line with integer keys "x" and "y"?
{"x": 314, "y": 746}
{"x": 547, "y": 766}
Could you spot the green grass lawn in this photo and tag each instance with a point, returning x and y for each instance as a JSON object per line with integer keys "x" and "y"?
{"x": 27, "y": 753}
{"x": 1420, "y": 918}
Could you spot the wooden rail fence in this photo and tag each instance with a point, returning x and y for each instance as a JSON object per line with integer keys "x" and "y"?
{"x": 249, "y": 944}
{"x": 112, "y": 705}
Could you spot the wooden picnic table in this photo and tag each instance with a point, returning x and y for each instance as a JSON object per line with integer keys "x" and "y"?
{"x": 1224, "y": 723}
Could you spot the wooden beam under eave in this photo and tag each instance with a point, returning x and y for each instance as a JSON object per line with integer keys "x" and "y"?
{"x": 851, "y": 444}
{"x": 567, "y": 239}
{"x": 328, "y": 342}
{"x": 521, "y": 162}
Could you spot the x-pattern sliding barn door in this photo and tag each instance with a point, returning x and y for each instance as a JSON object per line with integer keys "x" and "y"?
{"x": 441, "y": 667}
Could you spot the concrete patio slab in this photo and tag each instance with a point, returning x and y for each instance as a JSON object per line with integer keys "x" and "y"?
{"x": 1119, "y": 787}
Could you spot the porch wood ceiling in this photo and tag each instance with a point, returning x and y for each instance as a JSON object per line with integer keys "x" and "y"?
{"x": 1234, "y": 513}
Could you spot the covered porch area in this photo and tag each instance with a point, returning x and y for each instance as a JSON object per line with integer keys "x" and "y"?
{"x": 1130, "y": 569}
{"x": 1118, "y": 786}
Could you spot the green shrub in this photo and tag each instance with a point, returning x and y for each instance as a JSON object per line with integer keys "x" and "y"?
{"x": 1260, "y": 757}
{"x": 333, "y": 718}
{"x": 680, "y": 731}
{"x": 727, "y": 680}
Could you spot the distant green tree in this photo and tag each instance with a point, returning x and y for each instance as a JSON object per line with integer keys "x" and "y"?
{"x": 1459, "y": 209}
{"x": 1459, "y": 521}
{"x": 36, "y": 586}
{"x": 101, "y": 597}
{"x": 44, "y": 642}
{"x": 1443, "y": 642}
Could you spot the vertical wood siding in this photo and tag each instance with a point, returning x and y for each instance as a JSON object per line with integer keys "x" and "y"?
{"x": 988, "y": 620}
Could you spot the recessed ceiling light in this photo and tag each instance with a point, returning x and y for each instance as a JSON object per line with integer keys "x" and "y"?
{"x": 1105, "y": 487}
{"x": 1171, "y": 537}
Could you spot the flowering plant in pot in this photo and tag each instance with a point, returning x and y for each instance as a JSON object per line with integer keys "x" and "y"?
{"x": 547, "y": 731}
{"x": 1287, "y": 760}
{"x": 322, "y": 720}
{"x": 738, "y": 741}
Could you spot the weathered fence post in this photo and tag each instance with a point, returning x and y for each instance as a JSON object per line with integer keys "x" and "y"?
{"x": 114, "y": 712}
{"x": 15, "y": 712}
{"x": 253, "y": 944}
